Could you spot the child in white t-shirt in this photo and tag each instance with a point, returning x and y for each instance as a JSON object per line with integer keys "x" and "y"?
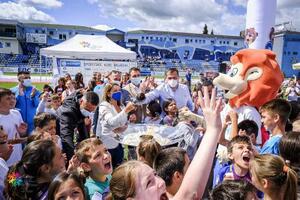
{"x": 12, "y": 123}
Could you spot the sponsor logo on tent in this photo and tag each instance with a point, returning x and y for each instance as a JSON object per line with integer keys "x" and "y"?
{"x": 85, "y": 44}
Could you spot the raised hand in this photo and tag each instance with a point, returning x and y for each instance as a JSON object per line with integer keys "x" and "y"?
{"x": 87, "y": 121}
{"x": 211, "y": 108}
{"x": 21, "y": 89}
{"x": 140, "y": 97}
{"x": 228, "y": 177}
{"x": 33, "y": 91}
{"x": 74, "y": 163}
{"x": 233, "y": 115}
{"x": 3, "y": 135}
{"x": 46, "y": 96}
{"x": 186, "y": 115}
{"x": 22, "y": 128}
{"x": 192, "y": 186}
{"x": 129, "y": 107}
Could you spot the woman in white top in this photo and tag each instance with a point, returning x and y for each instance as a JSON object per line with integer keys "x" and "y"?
{"x": 113, "y": 119}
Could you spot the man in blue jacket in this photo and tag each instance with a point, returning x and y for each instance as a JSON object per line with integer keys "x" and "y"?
{"x": 27, "y": 97}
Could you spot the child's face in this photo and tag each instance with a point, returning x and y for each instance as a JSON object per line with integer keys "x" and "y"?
{"x": 148, "y": 185}
{"x": 251, "y": 195}
{"x": 100, "y": 161}
{"x": 172, "y": 108}
{"x": 69, "y": 190}
{"x": 50, "y": 127}
{"x": 69, "y": 85}
{"x": 6, "y": 150}
{"x": 252, "y": 136}
{"x": 13, "y": 101}
{"x": 6, "y": 102}
{"x": 241, "y": 155}
{"x": 268, "y": 120}
{"x": 58, "y": 163}
{"x": 55, "y": 103}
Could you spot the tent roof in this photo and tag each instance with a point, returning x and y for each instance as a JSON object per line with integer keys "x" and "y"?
{"x": 89, "y": 47}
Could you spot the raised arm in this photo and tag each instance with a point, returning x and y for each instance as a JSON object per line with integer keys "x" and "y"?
{"x": 196, "y": 177}
{"x": 150, "y": 96}
{"x": 222, "y": 140}
{"x": 115, "y": 121}
{"x": 190, "y": 103}
{"x": 234, "y": 123}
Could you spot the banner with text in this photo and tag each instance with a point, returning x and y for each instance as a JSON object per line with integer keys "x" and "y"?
{"x": 36, "y": 38}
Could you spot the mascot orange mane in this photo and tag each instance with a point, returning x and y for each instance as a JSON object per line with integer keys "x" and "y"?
{"x": 253, "y": 79}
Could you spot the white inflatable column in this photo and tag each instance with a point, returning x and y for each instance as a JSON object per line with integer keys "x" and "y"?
{"x": 260, "y": 21}
{"x": 55, "y": 72}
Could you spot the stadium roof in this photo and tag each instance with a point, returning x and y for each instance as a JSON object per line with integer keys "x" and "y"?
{"x": 9, "y": 22}
{"x": 77, "y": 27}
{"x": 182, "y": 34}
{"x": 287, "y": 32}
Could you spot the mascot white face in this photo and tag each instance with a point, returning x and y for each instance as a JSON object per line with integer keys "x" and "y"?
{"x": 253, "y": 79}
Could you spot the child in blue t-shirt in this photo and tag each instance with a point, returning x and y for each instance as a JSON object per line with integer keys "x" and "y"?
{"x": 95, "y": 160}
{"x": 274, "y": 115}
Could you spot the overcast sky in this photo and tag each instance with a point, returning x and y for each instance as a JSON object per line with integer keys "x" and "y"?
{"x": 224, "y": 16}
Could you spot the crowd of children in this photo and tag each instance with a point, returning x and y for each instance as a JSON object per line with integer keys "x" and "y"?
{"x": 34, "y": 165}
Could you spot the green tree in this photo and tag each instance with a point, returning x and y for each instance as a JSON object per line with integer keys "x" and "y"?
{"x": 212, "y": 32}
{"x": 205, "y": 29}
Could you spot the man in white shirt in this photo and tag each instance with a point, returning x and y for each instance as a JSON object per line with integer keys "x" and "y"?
{"x": 171, "y": 89}
{"x": 12, "y": 123}
{"x": 133, "y": 89}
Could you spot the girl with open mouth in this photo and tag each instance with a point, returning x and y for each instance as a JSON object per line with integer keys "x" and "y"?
{"x": 135, "y": 180}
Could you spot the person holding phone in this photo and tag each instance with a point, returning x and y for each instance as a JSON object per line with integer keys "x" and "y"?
{"x": 113, "y": 117}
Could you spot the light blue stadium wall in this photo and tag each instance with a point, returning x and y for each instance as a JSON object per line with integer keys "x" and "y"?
{"x": 287, "y": 48}
{"x": 185, "y": 46}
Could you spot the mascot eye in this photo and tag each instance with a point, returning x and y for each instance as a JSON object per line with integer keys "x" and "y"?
{"x": 254, "y": 73}
{"x": 233, "y": 72}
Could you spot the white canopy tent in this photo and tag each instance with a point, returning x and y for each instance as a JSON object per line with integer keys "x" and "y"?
{"x": 91, "y": 53}
{"x": 89, "y": 47}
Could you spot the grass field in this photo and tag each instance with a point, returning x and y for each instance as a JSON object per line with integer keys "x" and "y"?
{"x": 9, "y": 85}
{"x": 15, "y": 74}
{"x": 38, "y": 85}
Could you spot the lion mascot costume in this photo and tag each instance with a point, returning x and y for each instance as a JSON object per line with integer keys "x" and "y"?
{"x": 253, "y": 79}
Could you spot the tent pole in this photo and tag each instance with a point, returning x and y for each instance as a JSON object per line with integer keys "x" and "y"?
{"x": 46, "y": 61}
{"x": 40, "y": 68}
